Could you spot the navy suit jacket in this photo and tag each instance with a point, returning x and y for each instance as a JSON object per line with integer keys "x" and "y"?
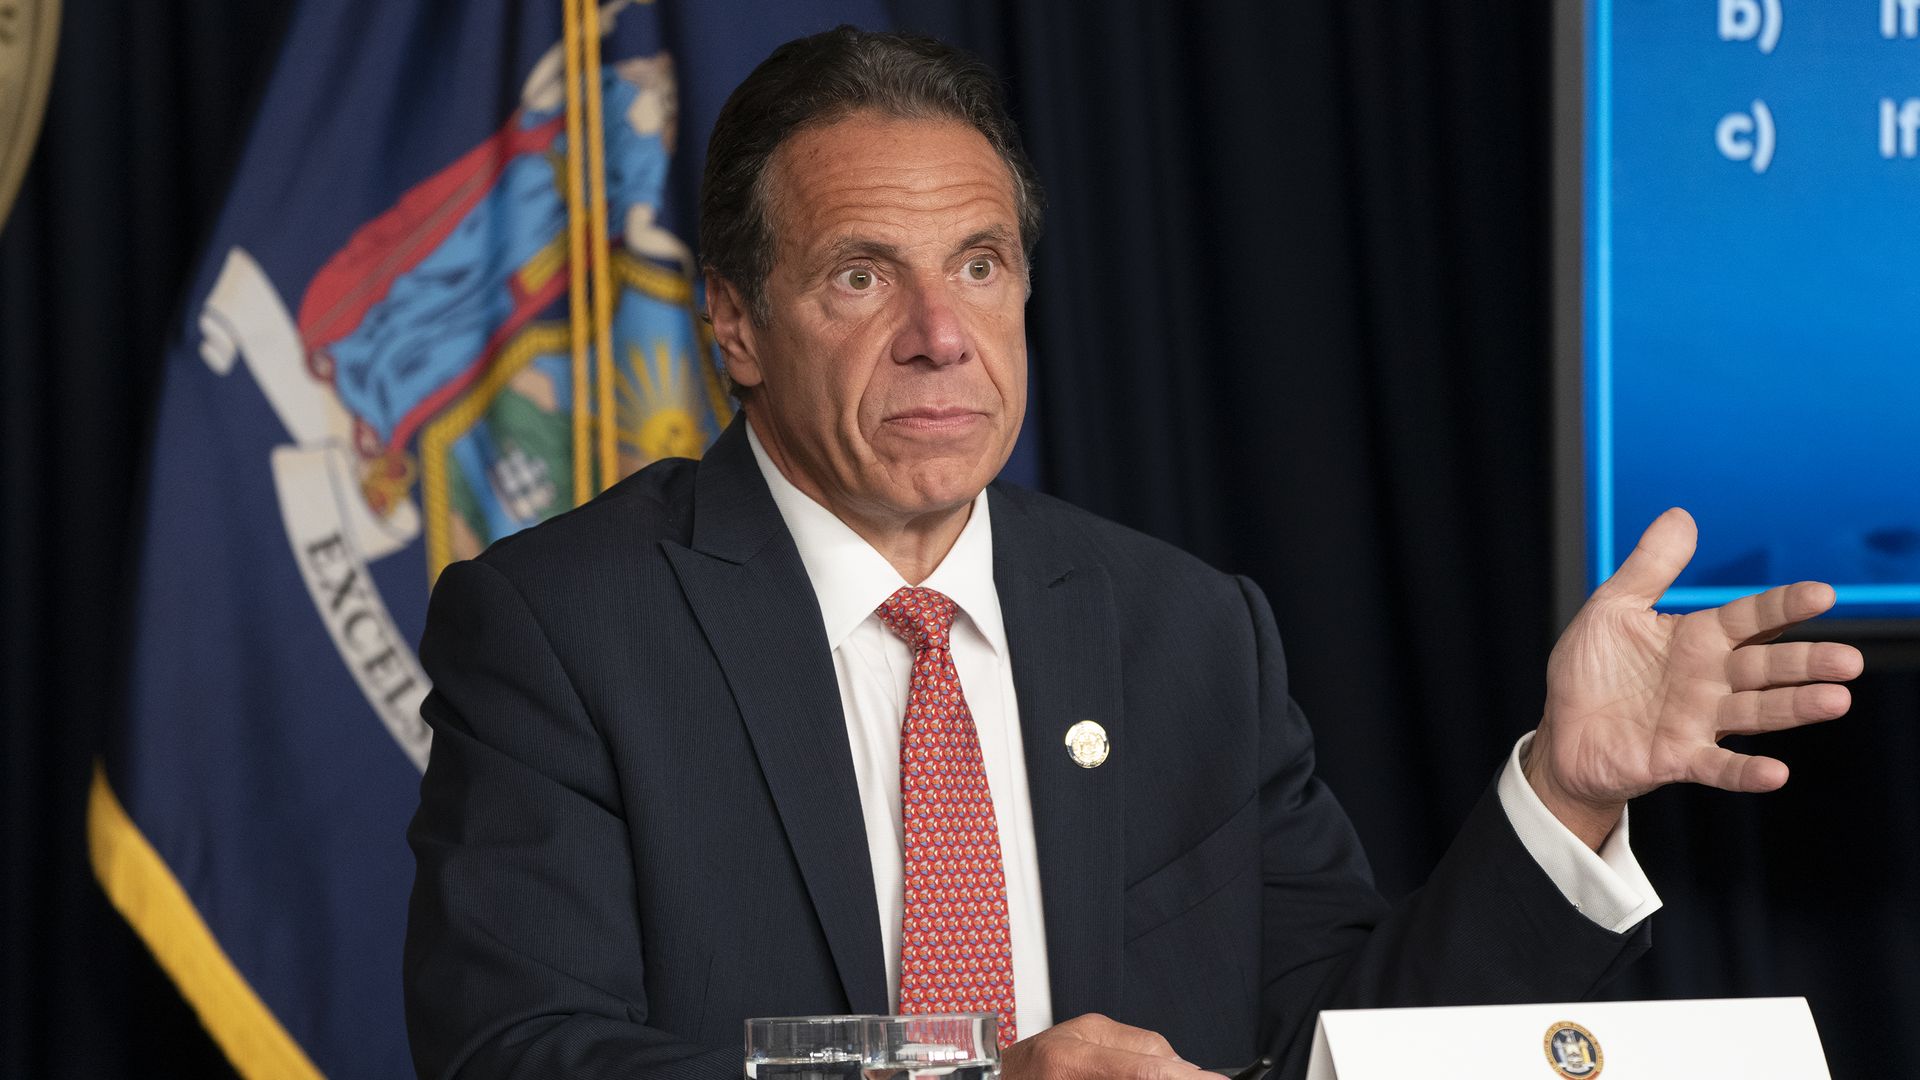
{"x": 640, "y": 823}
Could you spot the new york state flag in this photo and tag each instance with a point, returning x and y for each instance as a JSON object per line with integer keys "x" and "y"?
{"x": 452, "y": 294}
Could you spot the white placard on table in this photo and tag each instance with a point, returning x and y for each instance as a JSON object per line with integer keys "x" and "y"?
{"x": 1752, "y": 1038}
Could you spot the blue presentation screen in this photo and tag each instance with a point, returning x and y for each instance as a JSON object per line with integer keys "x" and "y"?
{"x": 1752, "y": 291}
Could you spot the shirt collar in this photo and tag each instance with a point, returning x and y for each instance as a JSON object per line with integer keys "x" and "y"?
{"x": 850, "y": 579}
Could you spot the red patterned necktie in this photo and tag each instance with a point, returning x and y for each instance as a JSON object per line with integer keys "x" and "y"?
{"x": 956, "y": 949}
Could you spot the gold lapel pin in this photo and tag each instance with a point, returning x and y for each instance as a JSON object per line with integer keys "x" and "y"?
{"x": 1087, "y": 744}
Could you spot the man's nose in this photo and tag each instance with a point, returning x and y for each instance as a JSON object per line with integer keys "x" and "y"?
{"x": 933, "y": 333}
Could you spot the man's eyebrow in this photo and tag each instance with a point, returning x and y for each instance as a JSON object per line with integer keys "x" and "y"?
{"x": 860, "y": 247}
{"x": 868, "y": 248}
{"x": 993, "y": 236}
{"x": 851, "y": 247}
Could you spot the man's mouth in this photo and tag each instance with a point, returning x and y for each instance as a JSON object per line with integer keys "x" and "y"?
{"x": 935, "y": 419}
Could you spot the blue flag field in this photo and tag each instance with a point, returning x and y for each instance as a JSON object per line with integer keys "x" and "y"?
{"x": 451, "y": 295}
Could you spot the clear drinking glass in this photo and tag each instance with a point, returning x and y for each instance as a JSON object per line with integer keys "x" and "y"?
{"x": 805, "y": 1047}
{"x": 946, "y": 1046}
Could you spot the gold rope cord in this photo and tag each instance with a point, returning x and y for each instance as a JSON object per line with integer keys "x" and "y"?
{"x": 577, "y": 318}
{"x": 599, "y": 251}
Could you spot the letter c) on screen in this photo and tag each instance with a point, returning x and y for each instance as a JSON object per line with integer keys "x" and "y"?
{"x": 1747, "y": 136}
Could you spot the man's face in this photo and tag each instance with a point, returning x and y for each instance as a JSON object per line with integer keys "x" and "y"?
{"x": 889, "y": 379}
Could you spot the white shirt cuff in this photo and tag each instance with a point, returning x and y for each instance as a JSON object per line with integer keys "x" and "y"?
{"x": 1607, "y": 886}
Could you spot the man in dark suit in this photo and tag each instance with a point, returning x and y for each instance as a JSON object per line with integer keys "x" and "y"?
{"x": 672, "y": 785}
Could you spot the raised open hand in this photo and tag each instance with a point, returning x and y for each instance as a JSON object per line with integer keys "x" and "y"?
{"x": 1638, "y": 699}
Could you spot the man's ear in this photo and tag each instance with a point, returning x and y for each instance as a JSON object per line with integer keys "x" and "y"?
{"x": 733, "y": 331}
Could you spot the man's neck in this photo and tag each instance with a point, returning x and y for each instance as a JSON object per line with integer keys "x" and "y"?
{"x": 914, "y": 546}
{"x": 918, "y": 548}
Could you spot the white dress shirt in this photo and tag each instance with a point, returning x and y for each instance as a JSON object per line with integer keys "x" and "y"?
{"x": 874, "y": 667}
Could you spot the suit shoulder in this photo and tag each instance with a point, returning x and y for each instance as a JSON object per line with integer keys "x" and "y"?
{"x": 655, "y": 503}
{"x": 1141, "y": 563}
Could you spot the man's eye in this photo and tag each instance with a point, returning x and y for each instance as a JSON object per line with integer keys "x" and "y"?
{"x": 980, "y": 269}
{"x": 856, "y": 279}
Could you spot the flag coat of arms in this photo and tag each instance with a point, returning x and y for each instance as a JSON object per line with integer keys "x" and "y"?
{"x": 452, "y": 294}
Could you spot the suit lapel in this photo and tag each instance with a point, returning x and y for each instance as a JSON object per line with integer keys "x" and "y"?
{"x": 1065, "y": 648}
{"x": 748, "y": 589}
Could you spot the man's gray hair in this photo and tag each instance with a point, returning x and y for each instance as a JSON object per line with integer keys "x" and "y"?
{"x": 819, "y": 80}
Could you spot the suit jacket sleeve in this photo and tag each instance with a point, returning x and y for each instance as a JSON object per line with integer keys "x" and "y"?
{"x": 520, "y": 826}
{"x": 1488, "y": 927}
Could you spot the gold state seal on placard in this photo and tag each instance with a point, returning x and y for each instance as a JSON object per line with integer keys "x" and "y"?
{"x": 1573, "y": 1051}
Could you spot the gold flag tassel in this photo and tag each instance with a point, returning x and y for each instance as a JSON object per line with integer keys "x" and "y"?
{"x": 579, "y": 327}
{"x": 600, "y": 250}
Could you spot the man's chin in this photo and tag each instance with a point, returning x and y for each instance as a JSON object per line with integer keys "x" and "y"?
{"x": 931, "y": 495}
{"x": 935, "y": 502}
{"x": 948, "y": 479}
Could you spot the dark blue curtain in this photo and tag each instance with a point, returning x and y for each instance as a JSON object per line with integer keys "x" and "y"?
{"x": 1290, "y": 312}
{"x": 148, "y": 107}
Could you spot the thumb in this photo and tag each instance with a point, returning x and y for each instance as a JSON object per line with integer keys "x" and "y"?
{"x": 1663, "y": 551}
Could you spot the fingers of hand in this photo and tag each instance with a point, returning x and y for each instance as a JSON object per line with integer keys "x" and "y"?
{"x": 1074, "y": 1059}
{"x": 1750, "y": 712}
{"x": 1762, "y": 616}
{"x": 1718, "y": 767}
{"x": 1108, "y": 1062}
{"x": 1663, "y": 551}
{"x": 1101, "y": 1031}
{"x": 1757, "y": 667}
{"x": 1095, "y": 1048}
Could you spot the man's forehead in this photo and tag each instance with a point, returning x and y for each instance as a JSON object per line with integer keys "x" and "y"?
{"x": 870, "y": 176}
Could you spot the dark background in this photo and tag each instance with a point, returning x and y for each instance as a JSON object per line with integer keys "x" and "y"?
{"x": 1291, "y": 312}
